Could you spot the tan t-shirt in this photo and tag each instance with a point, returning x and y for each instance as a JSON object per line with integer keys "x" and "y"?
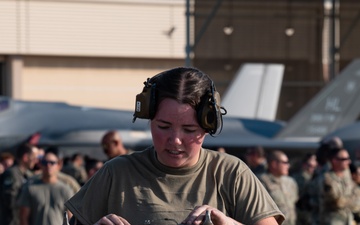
{"x": 140, "y": 189}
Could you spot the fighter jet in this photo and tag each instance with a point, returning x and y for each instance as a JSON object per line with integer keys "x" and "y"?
{"x": 56, "y": 123}
{"x": 337, "y": 105}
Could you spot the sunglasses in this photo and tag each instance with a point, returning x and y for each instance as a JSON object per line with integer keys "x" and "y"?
{"x": 107, "y": 145}
{"x": 310, "y": 165}
{"x": 283, "y": 162}
{"x": 45, "y": 162}
{"x": 342, "y": 159}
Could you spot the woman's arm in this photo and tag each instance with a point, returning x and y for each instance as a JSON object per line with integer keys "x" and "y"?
{"x": 267, "y": 221}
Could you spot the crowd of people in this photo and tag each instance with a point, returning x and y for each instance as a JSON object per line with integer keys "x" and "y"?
{"x": 177, "y": 180}
{"x": 325, "y": 189}
{"x": 35, "y": 182}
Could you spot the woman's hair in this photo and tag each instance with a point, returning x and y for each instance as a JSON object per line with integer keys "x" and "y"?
{"x": 186, "y": 85}
{"x": 183, "y": 84}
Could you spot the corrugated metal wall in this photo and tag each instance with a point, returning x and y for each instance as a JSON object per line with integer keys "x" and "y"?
{"x": 259, "y": 36}
{"x": 94, "y": 53}
{"x": 93, "y": 28}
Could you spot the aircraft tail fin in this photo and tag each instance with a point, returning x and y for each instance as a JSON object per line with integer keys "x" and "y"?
{"x": 254, "y": 92}
{"x": 335, "y": 106}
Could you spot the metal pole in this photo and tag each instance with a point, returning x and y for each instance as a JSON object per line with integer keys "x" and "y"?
{"x": 188, "y": 45}
{"x": 332, "y": 45}
{"x": 190, "y": 48}
{"x": 335, "y": 57}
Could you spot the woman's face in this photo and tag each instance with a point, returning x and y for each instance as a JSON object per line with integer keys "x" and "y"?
{"x": 177, "y": 136}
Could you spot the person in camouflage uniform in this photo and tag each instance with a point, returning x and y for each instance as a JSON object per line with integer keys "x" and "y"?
{"x": 12, "y": 181}
{"x": 303, "y": 178}
{"x": 256, "y": 160}
{"x": 311, "y": 193}
{"x": 355, "y": 175}
{"x": 340, "y": 195}
{"x": 308, "y": 166}
{"x": 281, "y": 187}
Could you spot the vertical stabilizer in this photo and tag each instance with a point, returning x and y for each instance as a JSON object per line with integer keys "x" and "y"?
{"x": 336, "y": 105}
{"x": 254, "y": 92}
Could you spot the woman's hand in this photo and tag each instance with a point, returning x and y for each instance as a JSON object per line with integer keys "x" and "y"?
{"x": 112, "y": 219}
{"x": 196, "y": 217}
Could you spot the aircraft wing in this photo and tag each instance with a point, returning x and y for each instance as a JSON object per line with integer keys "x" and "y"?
{"x": 239, "y": 132}
{"x": 80, "y": 129}
{"x": 350, "y": 135}
{"x": 57, "y": 122}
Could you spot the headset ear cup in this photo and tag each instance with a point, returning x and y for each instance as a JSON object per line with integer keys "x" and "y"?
{"x": 217, "y": 108}
{"x": 200, "y": 114}
{"x": 210, "y": 119}
{"x": 206, "y": 114}
{"x": 209, "y": 113}
{"x": 142, "y": 104}
{"x": 152, "y": 102}
{"x": 145, "y": 102}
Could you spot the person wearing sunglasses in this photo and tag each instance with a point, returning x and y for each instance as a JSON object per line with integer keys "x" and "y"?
{"x": 112, "y": 145}
{"x": 340, "y": 195}
{"x": 42, "y": 199}
{"x": 282, "y": 188}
